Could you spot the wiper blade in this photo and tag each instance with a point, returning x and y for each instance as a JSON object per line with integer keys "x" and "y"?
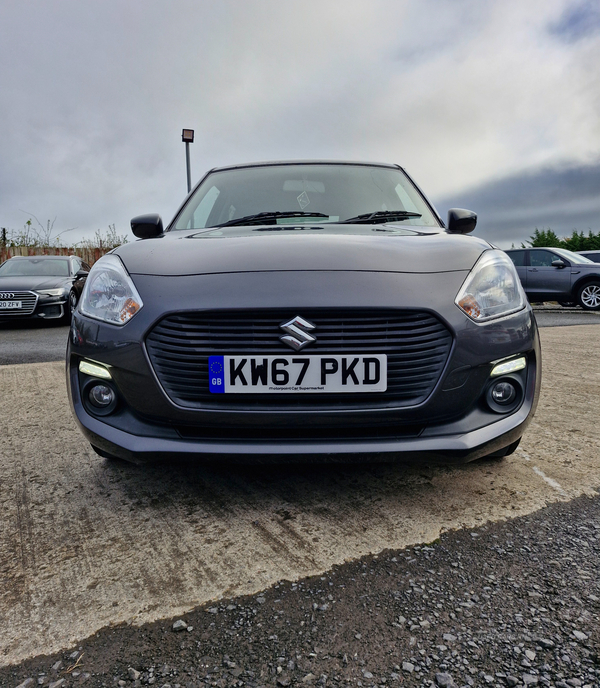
{"x": 380, "y": 216}
{"x": 269, "y": 217}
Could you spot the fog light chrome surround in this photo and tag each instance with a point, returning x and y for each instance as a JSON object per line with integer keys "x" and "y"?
{"x": 99, "y": 397}
{"x": 505, "y": 394}
{"x": 94, "y": 369}
{"x": 506, "y": 367}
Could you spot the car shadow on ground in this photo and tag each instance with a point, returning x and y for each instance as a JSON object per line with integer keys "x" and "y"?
{"x": 317, "y": 487}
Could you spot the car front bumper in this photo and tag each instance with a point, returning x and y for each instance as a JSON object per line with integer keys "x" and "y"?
{"x": 452, "y": 425}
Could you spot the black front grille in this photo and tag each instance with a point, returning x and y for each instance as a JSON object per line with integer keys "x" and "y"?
{"x": 417, "y": 345}
{"x": 27, "y": 298}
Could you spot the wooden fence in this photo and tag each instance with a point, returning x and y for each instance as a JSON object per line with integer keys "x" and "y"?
{"x": 89, "y": 255}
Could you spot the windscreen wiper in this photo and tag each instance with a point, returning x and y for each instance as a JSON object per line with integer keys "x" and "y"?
{"x": 269, "y": 217}
{"x": 379, "y": 216}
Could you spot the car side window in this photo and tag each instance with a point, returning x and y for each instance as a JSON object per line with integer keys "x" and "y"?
{"x": 542, "y": 259}
{"x": 517, "y": 257}
{"x": 76, "y": 265}
{"x": 85, "y": 266}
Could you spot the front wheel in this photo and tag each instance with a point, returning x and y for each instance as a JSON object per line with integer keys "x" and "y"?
{"x": 589, "y": 296}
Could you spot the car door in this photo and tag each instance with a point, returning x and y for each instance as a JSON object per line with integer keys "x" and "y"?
{"x": 519, "y": 258}
{"x": 546, "y": 282}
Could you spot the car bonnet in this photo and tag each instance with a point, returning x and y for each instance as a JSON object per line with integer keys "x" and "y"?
{"x": 258, "y": 249}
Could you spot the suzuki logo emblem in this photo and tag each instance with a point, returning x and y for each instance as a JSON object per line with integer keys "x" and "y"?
{"x": 298, "y": 333}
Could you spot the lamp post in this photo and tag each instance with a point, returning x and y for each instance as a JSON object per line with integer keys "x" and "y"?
{"x": 187, "y": 136}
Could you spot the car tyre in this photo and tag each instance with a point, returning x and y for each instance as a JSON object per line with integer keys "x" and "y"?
{"x": 505, "y": 451}
{"x": 104, "y": 454}
{"x": 589, "y": 296}
{"x": 116, "y": 459}
{"x": 70, "y": 308}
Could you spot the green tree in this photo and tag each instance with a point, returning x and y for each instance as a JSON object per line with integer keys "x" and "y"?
{"x": 576, "y": 242}
{"x": 545, "y": 237}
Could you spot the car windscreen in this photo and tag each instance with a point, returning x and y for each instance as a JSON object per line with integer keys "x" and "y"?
{"x": 35, "y": 267}
{"x": 573, "y": 257}
{"x": 339, "y": 192}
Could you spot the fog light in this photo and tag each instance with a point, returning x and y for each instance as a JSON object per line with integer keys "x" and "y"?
{"x": 504, "y": 393}
{"x": 101, "y": 396}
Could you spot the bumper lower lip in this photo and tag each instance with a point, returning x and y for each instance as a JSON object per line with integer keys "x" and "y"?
{"x": 459, "y": 449}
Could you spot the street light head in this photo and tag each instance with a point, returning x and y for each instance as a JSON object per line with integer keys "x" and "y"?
{"x": 187, "y": 135}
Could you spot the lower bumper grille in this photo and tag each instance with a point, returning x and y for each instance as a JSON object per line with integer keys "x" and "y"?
{"x": 417, "y": 345}
{"x": 386, "y": 432}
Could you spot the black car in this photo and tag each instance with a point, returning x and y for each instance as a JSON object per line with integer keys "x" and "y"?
{"x": 592, "y": 255}
{"x": 45, "y": 287}
{"x": 304, "y": 311}
{"x": 555, "y": 274}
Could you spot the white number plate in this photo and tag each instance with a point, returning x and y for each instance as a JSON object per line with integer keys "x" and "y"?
{"x": 297, "y": 373}
{"x": 11, "y": 304}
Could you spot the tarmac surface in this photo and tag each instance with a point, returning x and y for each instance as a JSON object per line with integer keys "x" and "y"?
{"x": 86, "y": 543}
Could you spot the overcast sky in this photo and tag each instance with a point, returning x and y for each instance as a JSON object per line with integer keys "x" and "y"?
{"x": 494, "y": 105}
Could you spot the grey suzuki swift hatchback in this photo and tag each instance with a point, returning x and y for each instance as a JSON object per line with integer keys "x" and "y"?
{"x": 304, "y": 311}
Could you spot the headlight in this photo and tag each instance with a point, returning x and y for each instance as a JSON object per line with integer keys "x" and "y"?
{"x": 492, "y": 288}
{"x": 53, "y": 292}
{"x": 109, "y": 294}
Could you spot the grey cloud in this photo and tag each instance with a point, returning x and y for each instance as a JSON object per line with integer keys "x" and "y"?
{"x": 561, "y": 198}
{"x": 95, "y": 95}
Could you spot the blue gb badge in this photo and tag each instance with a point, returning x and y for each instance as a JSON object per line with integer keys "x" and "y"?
{"x": 216, "y": 374}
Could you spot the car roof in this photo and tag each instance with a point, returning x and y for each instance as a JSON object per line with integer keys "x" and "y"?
{"x": 269, "y": 163}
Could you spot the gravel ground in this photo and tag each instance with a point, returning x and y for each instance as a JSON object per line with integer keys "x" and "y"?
{"x": 509, "y": 604}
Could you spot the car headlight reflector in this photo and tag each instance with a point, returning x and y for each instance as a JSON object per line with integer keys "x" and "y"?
{"x": 492, "y": 288}
{"x": 109, "y": 294}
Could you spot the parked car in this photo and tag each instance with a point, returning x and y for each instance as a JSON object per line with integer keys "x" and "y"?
{"x": 592, "y": 255}
{"x": 47, "y": 287}
{"x": 555, "y": 274}
{"x": 308, "y": 311}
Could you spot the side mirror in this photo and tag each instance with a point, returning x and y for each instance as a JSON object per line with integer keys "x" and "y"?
{"x": 147, "y": 226}
{"x": 81, "y": 274}
{"x": 559, "y": 263}
{"x": 461, "y": 221}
